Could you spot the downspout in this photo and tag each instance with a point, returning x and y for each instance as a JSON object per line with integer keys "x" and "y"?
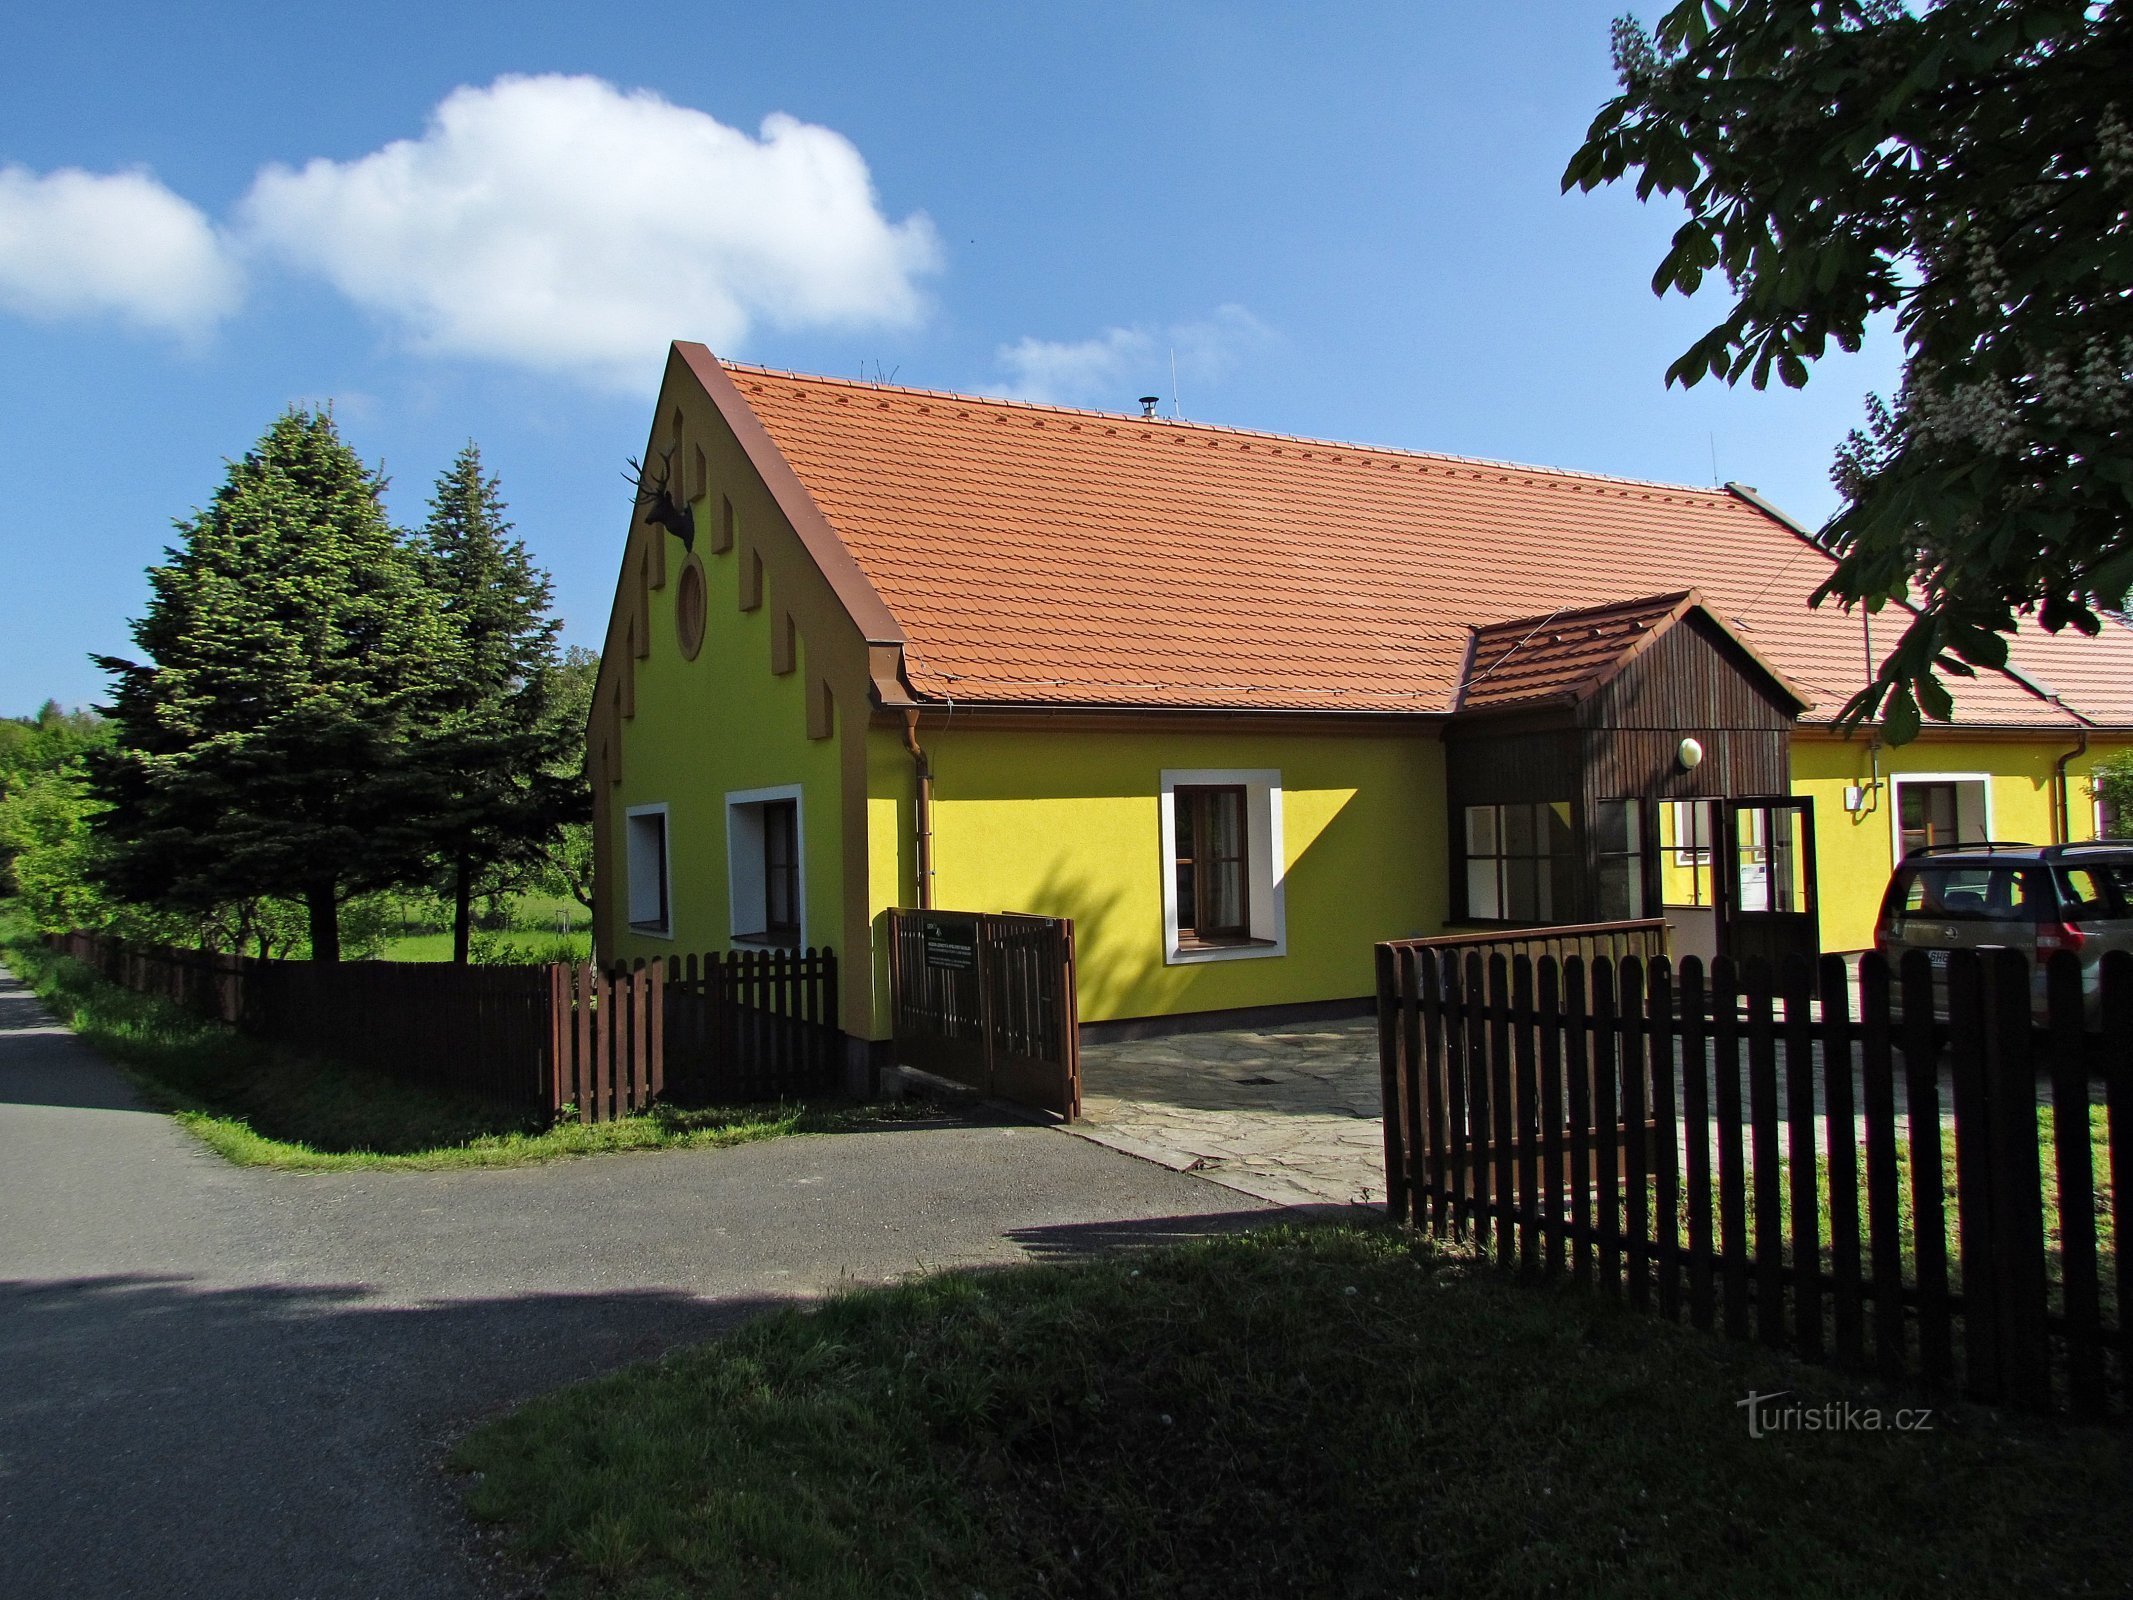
{"x": 2065, "y": 818}
{"x": 923, "y": 817}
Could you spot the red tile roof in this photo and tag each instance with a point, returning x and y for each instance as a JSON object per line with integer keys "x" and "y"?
{"x": 1036, "y": 554}
{"x": 1564, "y": 656}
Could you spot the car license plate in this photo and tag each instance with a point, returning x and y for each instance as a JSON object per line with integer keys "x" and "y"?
{"x": 1939, "y": 958}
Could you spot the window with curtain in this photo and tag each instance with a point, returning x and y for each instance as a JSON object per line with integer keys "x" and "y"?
{"x": 1213, "y": 879}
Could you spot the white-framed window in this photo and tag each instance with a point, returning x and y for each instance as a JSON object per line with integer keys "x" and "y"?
{"x": 1935, "y": 808}
{"x": 766, "y": 866}
{"x": 1223, "y": 897}
{"x": 651, "y": 905}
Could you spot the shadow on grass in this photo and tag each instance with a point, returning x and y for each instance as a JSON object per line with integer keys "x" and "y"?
{"x": 1074, "y": 1240}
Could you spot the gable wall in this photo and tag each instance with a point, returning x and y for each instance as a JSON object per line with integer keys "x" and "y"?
{"x": 686, "y": 733}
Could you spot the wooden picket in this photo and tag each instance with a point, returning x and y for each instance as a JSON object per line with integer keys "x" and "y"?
{"x": 747, "y": 1026}
{"x": 1730, "y": 1146}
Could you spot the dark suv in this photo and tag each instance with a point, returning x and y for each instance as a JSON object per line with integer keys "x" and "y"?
{"x": 2038, "y": 899}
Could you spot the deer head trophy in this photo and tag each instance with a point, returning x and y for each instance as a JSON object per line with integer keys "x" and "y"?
{"x": 660, "y": 506}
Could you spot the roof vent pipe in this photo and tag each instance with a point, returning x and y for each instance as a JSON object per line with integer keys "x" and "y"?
{"x": 1148, "y": 404}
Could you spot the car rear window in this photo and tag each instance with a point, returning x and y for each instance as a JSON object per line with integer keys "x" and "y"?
{"x": 2095, "y": 891}
{"x": 1967, "y": 893}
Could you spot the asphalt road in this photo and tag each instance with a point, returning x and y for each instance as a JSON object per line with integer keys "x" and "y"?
{"x": 217, "y": 1382}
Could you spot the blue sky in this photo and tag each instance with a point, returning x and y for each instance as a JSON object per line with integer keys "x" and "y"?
{"x": 461, "y": 223}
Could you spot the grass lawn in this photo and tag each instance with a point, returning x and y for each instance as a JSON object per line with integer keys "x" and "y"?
{"x": 541, "y": 927}
{"x": 1327, "y": 1412}
{"x": 261, "y": 1107}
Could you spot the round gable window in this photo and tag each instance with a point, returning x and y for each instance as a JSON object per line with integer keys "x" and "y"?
{"x": 689, "y": 608}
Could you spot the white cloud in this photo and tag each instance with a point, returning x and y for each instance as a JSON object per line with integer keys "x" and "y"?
{"x": 1111, "y": 369}
{"x": 76, "y": 244}
{"x": 560, "y": 224}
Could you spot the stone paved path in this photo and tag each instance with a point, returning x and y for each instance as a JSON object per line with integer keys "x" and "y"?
{"x": 1288, "y": 1114}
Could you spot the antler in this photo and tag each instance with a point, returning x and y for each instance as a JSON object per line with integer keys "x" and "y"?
{"x": 660, "y": 506}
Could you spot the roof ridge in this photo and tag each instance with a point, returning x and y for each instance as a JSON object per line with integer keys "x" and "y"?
{"x": 1536, "y": 470}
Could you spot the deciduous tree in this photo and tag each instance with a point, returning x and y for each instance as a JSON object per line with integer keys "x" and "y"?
{"x": 1967, "y": 169}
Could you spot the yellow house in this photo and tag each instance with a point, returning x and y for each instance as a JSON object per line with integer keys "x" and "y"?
{"x": 1241, "y": 704}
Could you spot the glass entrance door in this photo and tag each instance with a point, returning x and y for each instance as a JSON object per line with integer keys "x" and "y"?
{"x": 1765, "y": 878}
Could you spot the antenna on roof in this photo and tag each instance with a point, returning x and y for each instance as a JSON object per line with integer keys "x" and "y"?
{"x": 1148, "y": 404}
{"x": 1714, "y": 460}
{"x": 1175, "y": 412}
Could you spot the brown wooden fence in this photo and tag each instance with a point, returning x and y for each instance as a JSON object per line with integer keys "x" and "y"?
{"x": 1645, "y": 938}
{"x": 1928, "y": 1190}
{"x": 987, "y": 999}
{"x": 482, "y": 1029}
{"x": 606, "y": 1053}
{"x": 753, "y": 1025}
{"x": 203, "y": 982}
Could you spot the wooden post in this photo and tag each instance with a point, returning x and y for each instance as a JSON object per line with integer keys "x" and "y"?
{"x": 1606, "y": 1124}
{"x": 1800, "y": 1149}
{"x": 1696, "y": 1112}
{"x": 1765, "y": 1174}
{"x": 1841, "y": 1134}
{"x": 1983, "y": 1376}
{"x": 1883, "y": 1225}
{"x": 1929, "y": 1217}
{"x": 1393, "y": 1071}
{"x": 2073, "y": 1173}
{"x": 1430, "y": 1107}
{"x": 1525, "y": 1119}
{"x": 1666, "y": 1152}
{"x": 1637, "y": 1221}
{"x": 2017, "y": 1185}
{"x": 1549, "y": 1019}
{"x": 2117, "y": 1065}
{"x": 1578, "y": 1035}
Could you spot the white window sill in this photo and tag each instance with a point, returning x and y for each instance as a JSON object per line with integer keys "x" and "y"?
{"x": 653, "y": 930}
{"x": 1185, "y": 955}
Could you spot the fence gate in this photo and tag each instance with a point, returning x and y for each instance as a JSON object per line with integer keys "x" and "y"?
{"x": 987, "y": 999}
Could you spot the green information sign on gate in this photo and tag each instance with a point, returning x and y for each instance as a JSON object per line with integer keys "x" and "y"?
{"x": 951, "y": 946}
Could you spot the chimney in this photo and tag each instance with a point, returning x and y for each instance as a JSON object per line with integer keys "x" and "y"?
{"x": 1148, "y": 404}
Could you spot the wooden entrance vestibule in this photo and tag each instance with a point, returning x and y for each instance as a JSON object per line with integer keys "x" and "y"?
{"x": 1630, "y": 761}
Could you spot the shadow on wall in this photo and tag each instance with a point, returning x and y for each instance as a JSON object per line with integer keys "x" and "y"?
{"x": 1120, "y": 948}
{"x": 1369, "y": 863}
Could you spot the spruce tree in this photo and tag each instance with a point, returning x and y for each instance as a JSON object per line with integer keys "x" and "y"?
{"x": 269, "y": 744}
{"x": 567, "y": 871}
{"x": 500, "y": 733}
